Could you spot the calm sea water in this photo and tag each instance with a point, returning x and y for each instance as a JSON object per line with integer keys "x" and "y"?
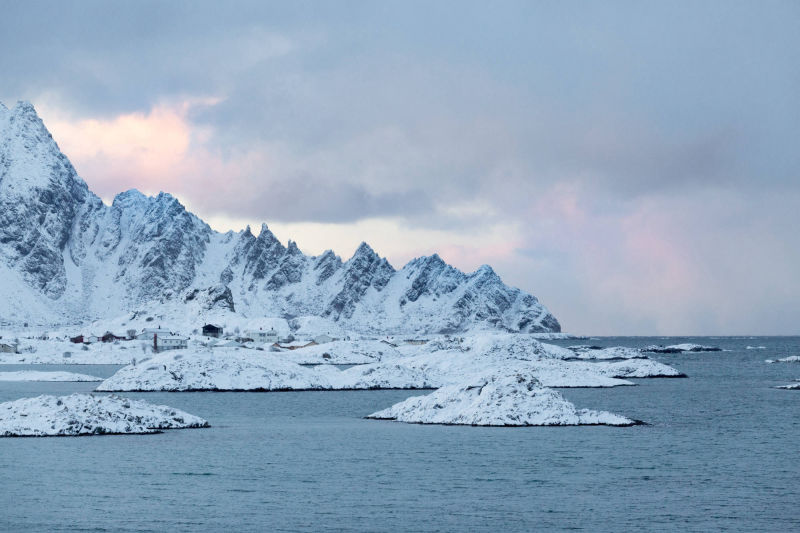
{"x": 720, "y": 453}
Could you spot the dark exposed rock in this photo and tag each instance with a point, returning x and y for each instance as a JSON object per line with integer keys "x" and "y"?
{"x": 364, "y": 270}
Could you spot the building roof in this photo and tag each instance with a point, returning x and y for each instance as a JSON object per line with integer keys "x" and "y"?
{"x": 262, "y": 331}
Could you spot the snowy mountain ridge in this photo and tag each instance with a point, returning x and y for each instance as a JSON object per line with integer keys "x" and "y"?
{"x": 65, "y": 256}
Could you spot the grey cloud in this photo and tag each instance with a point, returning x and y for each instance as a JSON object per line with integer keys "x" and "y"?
{"x": 303, "y": 198}
{"x": 410, "y": 109}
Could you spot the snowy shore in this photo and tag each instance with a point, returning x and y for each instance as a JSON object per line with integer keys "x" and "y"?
{"x": 681, "y": 348}
{"x": 86, "y": 414}
{"x": 434, "y": 365}
{"x": 511, "y": 400}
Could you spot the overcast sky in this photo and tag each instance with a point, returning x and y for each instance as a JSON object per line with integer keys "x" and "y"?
{"x": 635, "y": 165}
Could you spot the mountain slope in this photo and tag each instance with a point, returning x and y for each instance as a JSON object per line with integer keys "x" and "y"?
{"x": 66, "y": 256}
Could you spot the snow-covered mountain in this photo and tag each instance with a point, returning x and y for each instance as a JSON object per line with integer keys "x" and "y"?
{"x": 65, "y": 256}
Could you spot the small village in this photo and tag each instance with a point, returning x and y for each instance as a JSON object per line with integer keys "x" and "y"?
{"x": 162, "y": 339}
{"x": 115, "y": 346}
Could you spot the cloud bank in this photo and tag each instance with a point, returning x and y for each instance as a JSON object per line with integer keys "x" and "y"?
{"x": 636, "y": 167}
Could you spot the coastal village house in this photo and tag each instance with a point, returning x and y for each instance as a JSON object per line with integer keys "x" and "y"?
{"x": 261, "y": 335}
{"x": 162, "y": 339}
{"x": 172, "y": 342}
{"x": 210, "y": 330}
{"x": 148, "y": 333}
{"x": 110, "y": 337}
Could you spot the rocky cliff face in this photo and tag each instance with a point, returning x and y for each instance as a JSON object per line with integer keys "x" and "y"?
{"x": 66, "y": 255}
{"x": 41, "y": 199}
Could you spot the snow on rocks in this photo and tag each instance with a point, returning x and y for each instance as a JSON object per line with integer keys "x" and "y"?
{"x": 447, "y": 368}
{"x": 53, "y": 352}
{"x": 505, "y": 400}
{"x": 498, "y": 346}
{"x": 225, "y": 369}
{"x": 342, "y": 353}
{"x": 392, "y": 375}
{"x": 790, "y": 359}
{"x": 681, "y": 348}
{"x": 87, "y": 414}
{"x": 433, "y": 365}
{"x": 447, "y": 362}
{"x": 790, "y": 386}
{"x": 33, "y": 375}
{"x": 636, "y": 368}
{"x": 601, "y": 353}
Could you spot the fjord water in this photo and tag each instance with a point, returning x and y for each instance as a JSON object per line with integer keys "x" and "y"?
{"x": 720, "y": 453}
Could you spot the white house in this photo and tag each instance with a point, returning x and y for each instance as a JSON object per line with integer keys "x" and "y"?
{"x": 171, "y": 343}
{"x": 262, "y": 335}
{"x": 147, "y": 334}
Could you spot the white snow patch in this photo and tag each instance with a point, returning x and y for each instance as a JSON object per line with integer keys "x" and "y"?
{"x": 506, "y": 400}
{"x": 790, "y": 359}
{"x": 221, "y": 369}
{"x": 681, "y": 348}
{"x": 342, "y": 353}
{"x": 87, "y": 414}
{"x": 433, "y": 365}
{"x": 613, "y": 352}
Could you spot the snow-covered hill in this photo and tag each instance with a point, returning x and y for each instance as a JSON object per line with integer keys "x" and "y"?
{"x": 65, "y": 256}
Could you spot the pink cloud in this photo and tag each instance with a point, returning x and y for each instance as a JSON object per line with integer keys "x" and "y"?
{"x": 148, "y": 151}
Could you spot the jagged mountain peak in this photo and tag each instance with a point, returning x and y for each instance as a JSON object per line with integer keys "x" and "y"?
{"x": 364, "y": 250}
{"x": 130, "y": 197}
{"x": 366, "y": 257}
{"x": 23, "y": 121}
{"x": 327, "y": 255}
{"x": 23, "y": 104}
{"x": 30, "y": 159}
{"x": 427, "y": 261}
{"x": 485, "y": 270}
{"x": 165, "y": 197}
{"x": 75, "y": 257}
{"x": 25, "y": 108}
{"x": 292, "y": 249}
{"x": 22, "y": 113}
